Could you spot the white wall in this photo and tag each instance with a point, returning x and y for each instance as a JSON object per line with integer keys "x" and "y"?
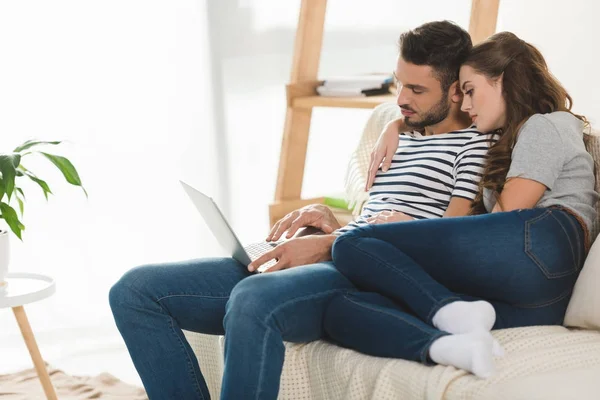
{"x": 128, "y": 85}
{"x": 567, "y": 35}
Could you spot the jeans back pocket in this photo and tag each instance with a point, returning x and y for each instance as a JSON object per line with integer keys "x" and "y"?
{"x": 553, "y": 243}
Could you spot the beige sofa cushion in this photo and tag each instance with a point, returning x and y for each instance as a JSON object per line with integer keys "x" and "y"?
{"x": 546, "y": 362}
{"x": 584, "y": 307}
{"x": 358, "y": 165}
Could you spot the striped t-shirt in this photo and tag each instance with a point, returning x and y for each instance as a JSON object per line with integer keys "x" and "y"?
{"x": 426, "y": 172}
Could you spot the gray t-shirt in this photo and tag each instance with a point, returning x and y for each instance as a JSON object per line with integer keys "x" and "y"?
{"x": 550, "y": 150}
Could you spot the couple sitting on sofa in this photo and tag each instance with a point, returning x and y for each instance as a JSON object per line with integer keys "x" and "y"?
{"x": 465, "y": 230}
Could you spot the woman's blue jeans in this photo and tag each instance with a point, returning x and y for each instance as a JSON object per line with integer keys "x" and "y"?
{"x": 152, "y": 304}
{"x": 525, "y": 263}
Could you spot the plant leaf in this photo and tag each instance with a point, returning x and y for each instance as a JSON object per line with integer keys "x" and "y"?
{"x": 65, "y": 166}
{"x": 40, "y": 182}
{"x": 8, "y": 166}
{"x": 2, "y": 190}
{"x": 12, "y": 219}
{"x": 30, "y": 143}
{"x": 20, "y": 198}
{"x": 21, "y": 205}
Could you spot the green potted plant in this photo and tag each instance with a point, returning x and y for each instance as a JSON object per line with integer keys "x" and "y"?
{"x": 12, "y": 171}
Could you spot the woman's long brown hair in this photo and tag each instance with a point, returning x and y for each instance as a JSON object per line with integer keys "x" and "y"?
{"x": 528, "y": 88}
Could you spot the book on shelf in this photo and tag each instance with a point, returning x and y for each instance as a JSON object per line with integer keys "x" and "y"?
{"x": 358, "y": 85}
{"x": 354, "y": 81}
{"x": 326, "y": 92}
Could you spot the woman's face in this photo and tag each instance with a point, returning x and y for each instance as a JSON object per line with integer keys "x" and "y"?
{"x": 482, "y": 99}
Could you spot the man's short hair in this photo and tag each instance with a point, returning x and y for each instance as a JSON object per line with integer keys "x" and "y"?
{"x": 442, "y": 45}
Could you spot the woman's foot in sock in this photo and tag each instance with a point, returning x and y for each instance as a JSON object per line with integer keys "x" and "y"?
{"x": 472, "y": 352}
{"x": 465, "y": 316}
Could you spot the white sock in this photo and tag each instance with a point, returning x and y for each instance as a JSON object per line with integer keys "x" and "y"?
{"x": 472, "y": 352}
{"x": 465, "y": 316}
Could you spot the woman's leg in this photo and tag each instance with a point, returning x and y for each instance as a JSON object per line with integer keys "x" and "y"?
{"x": 152, "y": 304}
{"x": 374, "y": 324}
{"x": 262, "y": 312}
{"x": 526, "y": 259}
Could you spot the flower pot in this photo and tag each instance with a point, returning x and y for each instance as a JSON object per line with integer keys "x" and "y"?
{"x": 4, "y": 256}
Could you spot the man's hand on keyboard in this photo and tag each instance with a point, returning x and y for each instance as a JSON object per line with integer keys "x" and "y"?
{"x": 295, "y": 252}
{"x": 315, "y": 215}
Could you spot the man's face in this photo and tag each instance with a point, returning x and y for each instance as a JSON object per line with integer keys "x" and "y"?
{"x": 420, "y": 95}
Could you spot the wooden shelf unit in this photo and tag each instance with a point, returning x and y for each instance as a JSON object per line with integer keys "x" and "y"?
{"x": 304, "y": 95}
{"x": 302, "y": 98}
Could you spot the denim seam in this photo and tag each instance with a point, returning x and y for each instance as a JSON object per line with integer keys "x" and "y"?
{"x": 547, "y": 303}
{"x": 386, "y": 313}
{"x": 291, "y": 301}
{"x": 582, "y": 225}
{"x": 262, "y": 358}
{"x": 342, "y": 238}
{"x": 578, "y": 239}
{"x": 439, "y": 305}
{"x": 191, "y": 295}
{"x": 189, "y": 361}
{"x": 423, "y": 352}
{"x": 568, "y": 238}
{"x": 178, "y": 338}
{"x": 532, "y": 256}
{"x": 409, "y": 278}
{"x": 307, "y": 297}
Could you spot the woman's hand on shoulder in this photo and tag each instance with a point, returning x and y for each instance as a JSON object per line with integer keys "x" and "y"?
{"x": 384, "y": 150}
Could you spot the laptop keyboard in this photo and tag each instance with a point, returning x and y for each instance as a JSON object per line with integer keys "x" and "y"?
{"x": 256, "y": 250}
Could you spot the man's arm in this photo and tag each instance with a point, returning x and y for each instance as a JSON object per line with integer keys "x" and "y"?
{"x": 316, "y": 216}
{"x": 317, "y": 248}
{"x": 298, "y": 251}
{"x": 309, "y": 245}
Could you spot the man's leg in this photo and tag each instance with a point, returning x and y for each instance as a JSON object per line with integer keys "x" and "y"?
{"x": 263, "y": 311}
{"x": 152, "y": 304}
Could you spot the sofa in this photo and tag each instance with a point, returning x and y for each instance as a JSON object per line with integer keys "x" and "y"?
{"x": 542, "y": 362}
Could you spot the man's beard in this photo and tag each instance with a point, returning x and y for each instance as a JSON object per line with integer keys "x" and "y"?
{"x": 435, "y": 115}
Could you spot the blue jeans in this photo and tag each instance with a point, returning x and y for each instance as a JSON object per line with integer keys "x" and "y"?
{"x": 525, "y": 263}
{"x": 256, "y": 313}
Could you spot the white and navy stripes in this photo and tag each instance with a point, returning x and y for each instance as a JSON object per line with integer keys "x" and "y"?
{"x": 426, "y": 172}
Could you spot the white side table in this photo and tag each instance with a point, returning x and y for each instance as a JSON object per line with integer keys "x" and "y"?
{"x": 25, "y": 288}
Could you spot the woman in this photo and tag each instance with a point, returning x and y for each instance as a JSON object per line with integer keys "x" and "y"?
{"x": 432, "y": 290}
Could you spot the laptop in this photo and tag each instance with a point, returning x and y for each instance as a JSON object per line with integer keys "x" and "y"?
{"x": 224, "y": 234}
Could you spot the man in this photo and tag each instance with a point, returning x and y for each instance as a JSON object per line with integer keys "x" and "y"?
{"x": 429, "y": 99}
{"x": 257, "y": 312}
